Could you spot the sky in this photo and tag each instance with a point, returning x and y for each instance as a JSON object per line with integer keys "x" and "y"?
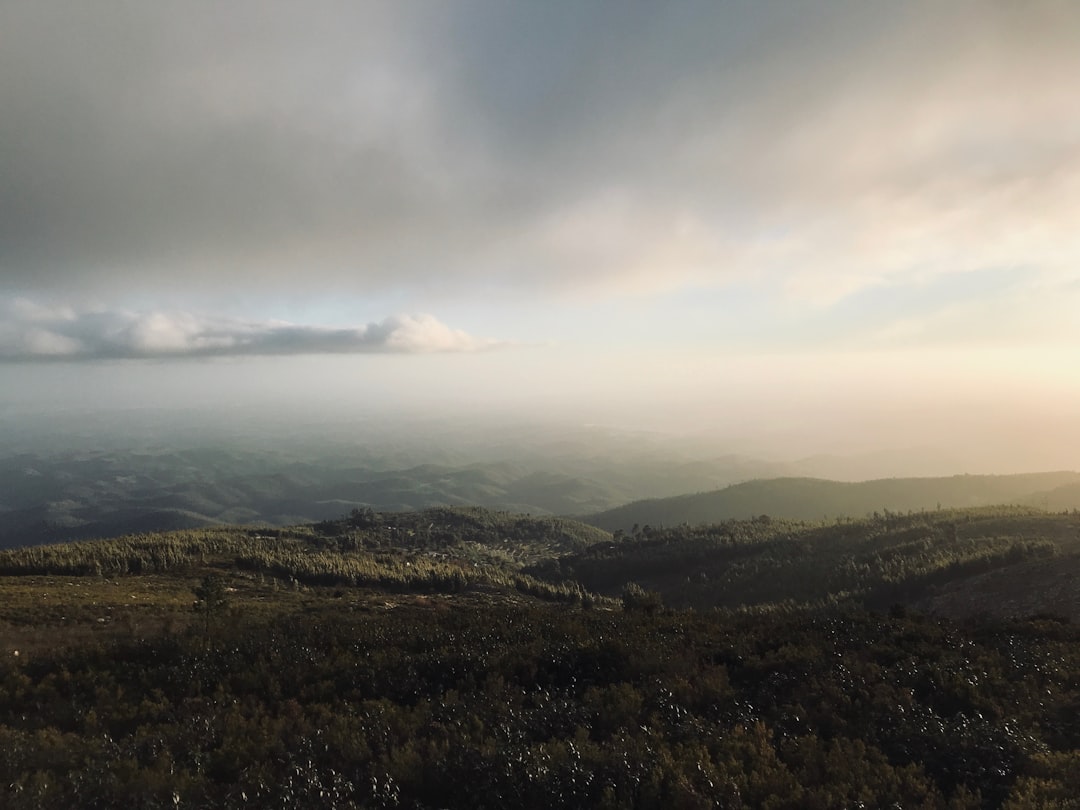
{"x": 836, "y": 224}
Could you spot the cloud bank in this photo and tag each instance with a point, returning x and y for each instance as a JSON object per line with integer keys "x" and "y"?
{"x": 606, "y": 147}
{"x": 32, "y": 332}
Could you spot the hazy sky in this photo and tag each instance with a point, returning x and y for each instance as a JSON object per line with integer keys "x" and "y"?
{"x": 777, "y": 217}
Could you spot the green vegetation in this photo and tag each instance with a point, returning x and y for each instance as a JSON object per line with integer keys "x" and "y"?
{"x": 874, "y": 562}
{"x": 458, "y": 658}
{"x": 439, "y": 550}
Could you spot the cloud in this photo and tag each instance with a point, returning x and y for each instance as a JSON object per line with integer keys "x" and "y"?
{"x": 33, "y": 332}
{"x": 610, "y": 147}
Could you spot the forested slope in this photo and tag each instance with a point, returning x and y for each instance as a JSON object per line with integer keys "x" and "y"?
{"x": 459, "y": 658}
{"x": 877, "y": 561}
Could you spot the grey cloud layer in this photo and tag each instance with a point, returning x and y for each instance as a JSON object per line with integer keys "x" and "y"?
{"x": 32, "y": 332}
{"x": 157, "y": 146}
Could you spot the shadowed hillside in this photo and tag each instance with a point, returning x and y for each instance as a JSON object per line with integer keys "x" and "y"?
{"x": 928, "y": 560}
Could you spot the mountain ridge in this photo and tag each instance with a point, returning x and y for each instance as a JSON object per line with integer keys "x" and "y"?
{"x": 807, "y": 498}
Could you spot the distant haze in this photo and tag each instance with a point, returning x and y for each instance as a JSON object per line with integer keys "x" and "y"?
{"x": 837, "y": 231}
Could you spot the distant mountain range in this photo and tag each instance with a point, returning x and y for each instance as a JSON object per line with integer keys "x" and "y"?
{"x": 818, "y": 499}
{"x": 59, "y": 497}
{"x": 58, "y": 494}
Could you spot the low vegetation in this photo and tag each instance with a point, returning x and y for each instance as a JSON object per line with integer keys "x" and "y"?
{"x": 458, "y": 658}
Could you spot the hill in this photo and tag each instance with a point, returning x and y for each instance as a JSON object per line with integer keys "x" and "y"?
{"x": 815, "y": 499}
{"x": 463, "y": 658}
{"x": 887, "y": 559}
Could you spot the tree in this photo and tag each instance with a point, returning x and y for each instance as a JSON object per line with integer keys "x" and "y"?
{"x": 363, "y": 518}
{"x": 211, "y": 599}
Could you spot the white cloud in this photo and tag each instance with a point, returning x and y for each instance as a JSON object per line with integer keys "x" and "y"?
{"x": 423, "y": 333}
{"x": 33, "y": 332}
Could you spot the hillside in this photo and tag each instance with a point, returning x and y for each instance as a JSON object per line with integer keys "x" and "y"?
{"x": 815, "y": 499}
{"x": 875, "y": 562}
{"x": 463, "y": 658}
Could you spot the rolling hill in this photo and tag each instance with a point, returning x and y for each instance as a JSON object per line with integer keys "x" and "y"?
{"x": 463, "y": 658}
{"x": 72, "y": 495}
{"x": 817, "y": 499}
